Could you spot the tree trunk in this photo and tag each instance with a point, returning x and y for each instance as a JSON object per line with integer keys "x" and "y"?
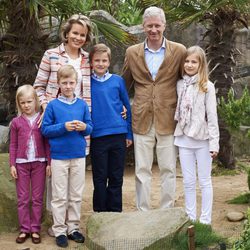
{"x": 221, "y": 60}
{"x": 23, "y": 46}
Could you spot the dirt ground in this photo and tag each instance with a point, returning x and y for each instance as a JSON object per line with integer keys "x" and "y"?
{"x": 225, "y": 188}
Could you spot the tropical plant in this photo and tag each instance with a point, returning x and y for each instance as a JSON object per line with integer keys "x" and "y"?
{"x": 243, "y": 242}
{"x": 236, "y": 112}
{"x": 126, "y": 12}
{"x": 221, "y": 18}
{"x": 23, "y": 41}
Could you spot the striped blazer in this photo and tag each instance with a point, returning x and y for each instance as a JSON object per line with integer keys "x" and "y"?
{"x": 46, "y": 84}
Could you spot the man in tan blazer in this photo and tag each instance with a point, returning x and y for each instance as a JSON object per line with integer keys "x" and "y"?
{"x": 153, "y": 68}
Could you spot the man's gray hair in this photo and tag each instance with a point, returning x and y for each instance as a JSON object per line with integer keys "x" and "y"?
{"x": 154, "y": 11}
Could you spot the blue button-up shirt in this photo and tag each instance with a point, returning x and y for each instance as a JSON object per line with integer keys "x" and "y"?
{"x": 154, "y": 59}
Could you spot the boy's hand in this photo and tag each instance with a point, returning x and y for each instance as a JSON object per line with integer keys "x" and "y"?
{"x": 75, "y": 125}
{"x": 124, "y": 112}
{"x": 48, "y": 170}
{"x": 80, "y": 126}
{"x": 40, "y": 120}
{"x": 128, "y": 143}
{"x": 70, "y": 126}
{"x": 13, "y": 172}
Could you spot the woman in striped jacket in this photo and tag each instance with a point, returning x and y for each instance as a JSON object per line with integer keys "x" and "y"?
{"x": 75, "y": 34}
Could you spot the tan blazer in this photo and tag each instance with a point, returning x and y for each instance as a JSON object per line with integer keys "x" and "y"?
{"x": 154, "y": 100}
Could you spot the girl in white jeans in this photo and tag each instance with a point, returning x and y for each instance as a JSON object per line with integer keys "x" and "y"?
{"x": 197, "y": 132}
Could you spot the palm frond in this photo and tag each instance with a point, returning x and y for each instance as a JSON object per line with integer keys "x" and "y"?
{"x": 113, "y": 32}
{"x": 187, "y": 11}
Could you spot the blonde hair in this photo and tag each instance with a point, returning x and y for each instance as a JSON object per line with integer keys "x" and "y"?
{"x": 66, "y": 71}
{"x": 100, "y": 48}
{"x": 26, "y": 90}
{"x": 154, "y": 11}
{"x": 203, "y": 67}
{"x": 80, "y": 19}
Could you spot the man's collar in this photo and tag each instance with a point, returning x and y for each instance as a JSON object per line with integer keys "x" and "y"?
{"x": 163, "y": 45}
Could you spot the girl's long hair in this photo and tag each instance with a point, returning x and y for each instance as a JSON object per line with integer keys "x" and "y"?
{"x": 26, "y": 90}
{"x": 203, "y": 68}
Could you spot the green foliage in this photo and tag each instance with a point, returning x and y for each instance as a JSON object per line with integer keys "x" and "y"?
{"x": 126, "y": 12}
{"x": 221, "y": 171}
{"x": 241, "y": 199}
{"x": 235, "y": 112}
{"x": 243, "y": 243}
{"x": 62, "y": 10}
{"x": 204, "y": 237}
{"x": 130, "y": 13}
{"x": 189, "y": 11}
{"x": 111, "y": 32}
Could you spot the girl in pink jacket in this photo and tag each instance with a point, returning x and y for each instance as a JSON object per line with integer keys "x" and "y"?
{"x": 29, "y": 162}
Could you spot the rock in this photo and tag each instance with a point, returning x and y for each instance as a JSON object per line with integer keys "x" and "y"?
{"x": 8, "y": 204}
{"x": 235, "y": 216}
{"x": 8, "y": 200}
{"x": 4, "y": 139}
{"x": 134, "y": 230}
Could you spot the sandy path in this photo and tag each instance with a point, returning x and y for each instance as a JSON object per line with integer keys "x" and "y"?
{"x": 225, "y": 188}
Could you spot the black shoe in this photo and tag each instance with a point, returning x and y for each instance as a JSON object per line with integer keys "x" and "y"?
{"x": 77, "y": 237}
{"x": 22, "y": 239}
{"x": 62, "y": 240}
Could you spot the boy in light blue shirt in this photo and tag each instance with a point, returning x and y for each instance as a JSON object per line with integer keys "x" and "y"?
{"x": 66, "y": 122}
{"x": 111, "y": 133}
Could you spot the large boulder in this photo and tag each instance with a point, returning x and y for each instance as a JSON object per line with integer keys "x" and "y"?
{"x": 8, "y": 207}
{"x": 4, "y": 139}
{"x": 8, "y": 199}
{"x": 134, "y": 230}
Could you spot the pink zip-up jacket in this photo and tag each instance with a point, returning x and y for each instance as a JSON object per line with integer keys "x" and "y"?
{"x": 20, "y": 133}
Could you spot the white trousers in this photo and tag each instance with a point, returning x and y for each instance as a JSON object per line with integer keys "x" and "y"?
{"x": 68, "y": 180}
{"x": 166, "y": 158}
{"x": 188, "y": 159}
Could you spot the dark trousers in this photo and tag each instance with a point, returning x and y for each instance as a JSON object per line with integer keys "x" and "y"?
{"x": 108, "y": 159}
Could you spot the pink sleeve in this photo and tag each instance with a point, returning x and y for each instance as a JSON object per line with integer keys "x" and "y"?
{"x": 13, "y": 142}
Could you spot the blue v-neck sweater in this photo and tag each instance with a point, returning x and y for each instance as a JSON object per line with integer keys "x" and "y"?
{"x": 108, "y": 98}
{"x": 65, "y": 144}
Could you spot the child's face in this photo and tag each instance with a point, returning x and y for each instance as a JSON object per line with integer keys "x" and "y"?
{"x": 67, "y": 86}
{"x": 100, "y": 63}
{"x": 27, "y": 104}
{"x": 77, "y": 36}
{"x": 191, "y": 65}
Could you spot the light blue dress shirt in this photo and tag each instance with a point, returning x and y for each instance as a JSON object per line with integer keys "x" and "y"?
{"x": 103, "y": 78}
{"x": 154, "y": 59}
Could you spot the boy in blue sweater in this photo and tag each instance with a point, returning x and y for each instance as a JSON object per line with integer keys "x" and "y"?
{"x": 66, "y": 121}
{"x": 111, "y": 133}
